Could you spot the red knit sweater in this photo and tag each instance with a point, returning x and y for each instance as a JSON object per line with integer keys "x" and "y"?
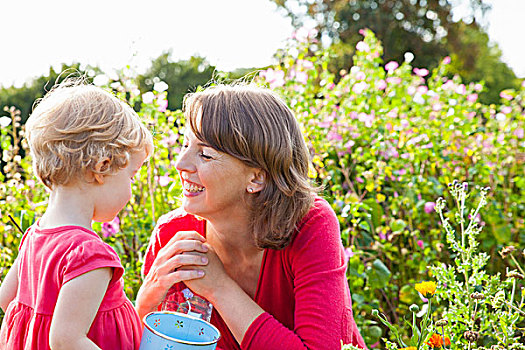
{"x": 302, "y": 288}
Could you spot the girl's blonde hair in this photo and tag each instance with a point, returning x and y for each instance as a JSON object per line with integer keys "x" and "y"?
{"x": 75, "y": 126}
{"x": 255, "y": 126}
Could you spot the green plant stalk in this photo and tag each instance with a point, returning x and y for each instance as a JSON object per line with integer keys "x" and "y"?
{"x": 517, "y": 264}
{"x": 424, "y": 324}
{"x": 512, "y": 294}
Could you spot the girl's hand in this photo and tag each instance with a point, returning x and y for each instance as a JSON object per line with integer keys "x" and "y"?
{"x": 185, "y": 248}
{"x": 215, "y": 277}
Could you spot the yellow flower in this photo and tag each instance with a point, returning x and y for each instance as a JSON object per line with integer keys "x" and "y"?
{"x": 427, "y": 289}
{"x": 409, "y": 348}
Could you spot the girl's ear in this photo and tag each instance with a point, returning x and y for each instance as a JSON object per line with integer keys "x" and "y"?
{"x": 257, "y": 182}
{"x": 101, "y": 166}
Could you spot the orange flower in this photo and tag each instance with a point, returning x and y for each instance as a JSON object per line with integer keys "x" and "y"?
{"x": 436, "y": 341}
{"x": 427, "y": 289}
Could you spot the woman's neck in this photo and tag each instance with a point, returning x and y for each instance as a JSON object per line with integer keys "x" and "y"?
{"x": 232, "y": 236}
{"x": 68, "y": 206}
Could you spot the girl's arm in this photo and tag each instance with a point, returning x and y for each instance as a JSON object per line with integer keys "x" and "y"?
{"x": 78, "y": 302}
{"x": 9, "y": 286}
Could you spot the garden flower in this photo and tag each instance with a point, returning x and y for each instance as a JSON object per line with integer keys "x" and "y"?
{"x": 472, "y": 97}
{"x": 360, "y": 87}
{"x": 391, "y": 66}
{"x": 446, "y": 60}
{"x": 519, "y": 133}
{"x": 163, "y": 104}
{"x": 164, "y": 180}
{"x": 362, "y": 46}
{"x": 427, "y": 289}
{"x": 160, "y": 86}
{"x": 423, "y": 72}
{"x": 274, "y": 77}
{"x": 409, "y": 348}
{"x": 5, "y": 121}
{"x": 381, "y": 84}
{"x": 429, "y": 207}
{"x": 505, "y": 95}
{"x": 111, "y": 228}
{"x": 436, "y": 341}
{"x": 148, "y": 97}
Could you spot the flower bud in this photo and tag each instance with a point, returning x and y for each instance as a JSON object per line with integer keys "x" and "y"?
{"x": 414, "y": 308}
{"x": 441, "y": 323}
{"x": 506, "y": 251}
{"x": 375, "y": 312}
{"x": 471, "y": 336}
{"x": 477, "y": 296}
{"x": 515, "y": 274}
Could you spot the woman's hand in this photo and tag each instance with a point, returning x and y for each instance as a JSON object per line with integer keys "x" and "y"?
{"x": 185, "y": 248}
{"x": 215, "y": 277}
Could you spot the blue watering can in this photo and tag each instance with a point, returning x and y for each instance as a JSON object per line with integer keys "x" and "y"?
{"x": 168, "y": 330}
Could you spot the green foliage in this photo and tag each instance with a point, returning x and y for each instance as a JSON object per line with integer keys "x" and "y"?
{"x": 182, "y": 76}
{"x": 384, "y": 142}
{"x": 425, "y": 28}
{"x": 384, "y": 139}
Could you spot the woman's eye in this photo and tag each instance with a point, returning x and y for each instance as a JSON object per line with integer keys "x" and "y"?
{"x": 205, "y": 156}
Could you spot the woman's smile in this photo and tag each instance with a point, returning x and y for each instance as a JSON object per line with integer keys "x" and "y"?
{"x": 191, "y": 189}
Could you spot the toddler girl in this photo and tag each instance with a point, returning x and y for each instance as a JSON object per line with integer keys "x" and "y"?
{"x": 65, "y": 289}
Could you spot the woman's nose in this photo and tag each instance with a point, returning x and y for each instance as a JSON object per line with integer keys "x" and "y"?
{"x": 184, "y": 162}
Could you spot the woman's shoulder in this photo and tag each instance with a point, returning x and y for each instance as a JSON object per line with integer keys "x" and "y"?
{"x": 319, "y": 226}
{"x": 321, "y": 211}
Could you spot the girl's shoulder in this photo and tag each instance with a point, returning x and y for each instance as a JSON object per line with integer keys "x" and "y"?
{"x": 179, "y": 220}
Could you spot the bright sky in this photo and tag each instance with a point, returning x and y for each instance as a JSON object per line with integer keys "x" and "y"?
{"x": 229, "y": 33}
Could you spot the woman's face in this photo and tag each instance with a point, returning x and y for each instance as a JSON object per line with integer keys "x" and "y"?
{"x": 214, "y": 183}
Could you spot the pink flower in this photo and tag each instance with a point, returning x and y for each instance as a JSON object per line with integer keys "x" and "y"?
{"x": 164, "y": 180}
{"x": 348, "y": 254}
{"x": 381, "y": 84}
{"x": 148, "y": 97}
{"x": 170, "y": 140}
{"x": 111, "y": 228}
{"x": 461, "y": 89}
{"x": 362, "y": 46}
{"x": 423, "y": 72}
{"x": 274, "y": 77}
{"x": 368, "y": 119}
{"x": 472, "y": 98}
{"x": 360, "y": 76}
{"x": 358, "y": 88}
{"x": 506, "y": 110}
{"x": 423, "y": 89}
{"x": 437, "y": 107}
{"x": 359, "y": 179}
{"x": 163, "y": 104}
{"x": 420, "y": 244}
{"x": 478, "y": 87}
{"x": 333, "y": 136}
{"x": 505, "y": 96}
{"x": 446, "y": 60}
{"x": 30, "y": 183}
{"x": 391, "y": 66}
{"x": 519, "y": 133}
{"x": 301, "y": 77}
{"x": 429, "y": 207}
{"x": 394, "y": 80}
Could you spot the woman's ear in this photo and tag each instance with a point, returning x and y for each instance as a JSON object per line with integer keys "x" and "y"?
{"x": 101, "y": 166}
{"x": 257, "y": 181}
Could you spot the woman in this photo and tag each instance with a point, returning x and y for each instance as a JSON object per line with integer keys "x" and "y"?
{"x": 268, "y": 249}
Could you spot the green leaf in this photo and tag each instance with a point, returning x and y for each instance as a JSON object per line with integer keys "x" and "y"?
{"x": 378, "y": 275}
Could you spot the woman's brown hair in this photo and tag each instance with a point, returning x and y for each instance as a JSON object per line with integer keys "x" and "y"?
{"x": 255, "y": 126}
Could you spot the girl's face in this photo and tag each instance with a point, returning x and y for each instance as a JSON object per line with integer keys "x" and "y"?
{"x": 214, "y": 183}
{"x": 115, "y": 192}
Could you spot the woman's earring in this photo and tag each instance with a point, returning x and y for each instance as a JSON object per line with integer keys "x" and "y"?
{"x": 250, "y": 190}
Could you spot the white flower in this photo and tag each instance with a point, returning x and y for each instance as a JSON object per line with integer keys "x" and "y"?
{"x": 5, "y": 121}
{"x": 160, "y": 86}
{"x": 148, "y": 97}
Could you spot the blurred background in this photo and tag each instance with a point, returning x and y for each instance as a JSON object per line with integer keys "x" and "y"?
{"x": 185, "y": 43}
